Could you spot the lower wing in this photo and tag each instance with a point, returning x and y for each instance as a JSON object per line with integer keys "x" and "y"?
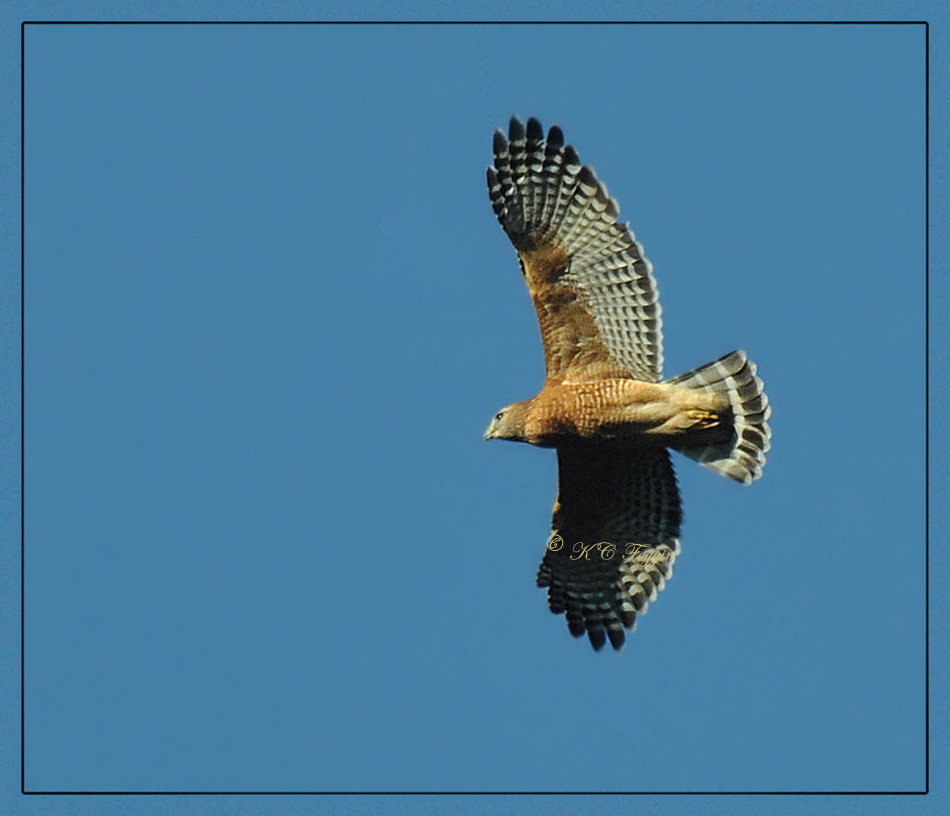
{"x": 614, "y": 537}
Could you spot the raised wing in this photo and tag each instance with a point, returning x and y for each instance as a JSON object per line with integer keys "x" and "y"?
{"x": 615, "y": 535}
{"x": 592, "y": 288}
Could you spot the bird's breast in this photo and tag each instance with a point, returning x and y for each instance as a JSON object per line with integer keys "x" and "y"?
{"x": 610, "y": 409}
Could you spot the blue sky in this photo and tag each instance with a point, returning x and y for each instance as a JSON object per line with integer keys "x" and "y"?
{"x": 269, "y": 313}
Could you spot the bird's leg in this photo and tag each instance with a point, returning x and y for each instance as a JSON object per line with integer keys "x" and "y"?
{"x": 700, "y": 420}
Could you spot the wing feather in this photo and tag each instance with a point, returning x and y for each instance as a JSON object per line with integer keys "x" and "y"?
{"x": 615, "y": 535}
{"x": 592, "y": 288}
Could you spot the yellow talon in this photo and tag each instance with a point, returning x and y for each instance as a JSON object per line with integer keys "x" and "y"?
{"x": 703, "y": 419}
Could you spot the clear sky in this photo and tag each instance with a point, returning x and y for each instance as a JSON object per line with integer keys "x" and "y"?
{"x": 269, "y": 313}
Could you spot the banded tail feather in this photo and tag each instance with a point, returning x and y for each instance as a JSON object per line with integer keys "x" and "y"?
{"x": 742, "y": 456}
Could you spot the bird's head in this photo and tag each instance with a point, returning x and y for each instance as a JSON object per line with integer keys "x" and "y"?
{"x": 509, "y": 423}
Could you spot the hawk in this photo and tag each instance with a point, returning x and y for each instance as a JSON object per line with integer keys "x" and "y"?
{"x": 604, "y": 405}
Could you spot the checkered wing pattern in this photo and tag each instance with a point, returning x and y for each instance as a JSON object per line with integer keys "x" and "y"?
{"x": 592, "y": 287}
{"x": 615, "y": 535}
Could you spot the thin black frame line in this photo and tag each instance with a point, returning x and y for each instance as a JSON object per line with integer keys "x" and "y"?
{"x": 927, "y": 406}
{"x": 22, "y": 409}
{"x": 475, "y": 22}
{"x": 926, "y": 790}
{"x": 475, "y": 793}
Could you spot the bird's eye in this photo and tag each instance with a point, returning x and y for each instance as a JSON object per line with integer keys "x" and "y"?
{"x": 499, "y": 415}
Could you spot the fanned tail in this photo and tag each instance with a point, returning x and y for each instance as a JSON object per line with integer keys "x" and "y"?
{"x": 742, "y": 456}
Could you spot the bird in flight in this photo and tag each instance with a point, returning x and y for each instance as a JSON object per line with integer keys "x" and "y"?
{"x": 604, "y": 405}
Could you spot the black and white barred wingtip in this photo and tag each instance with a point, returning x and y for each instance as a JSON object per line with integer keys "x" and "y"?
{"x": 522, "y": 204}
{"x": 541, "y": 194}
{"x": 604, "y": 617}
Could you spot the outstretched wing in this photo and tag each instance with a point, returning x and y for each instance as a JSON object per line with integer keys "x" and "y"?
{"x": 615, "y": 535}
{"x": 592, "y": 288}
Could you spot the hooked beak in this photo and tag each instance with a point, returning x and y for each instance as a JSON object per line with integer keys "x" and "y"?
{"x": 490, "y": 431}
